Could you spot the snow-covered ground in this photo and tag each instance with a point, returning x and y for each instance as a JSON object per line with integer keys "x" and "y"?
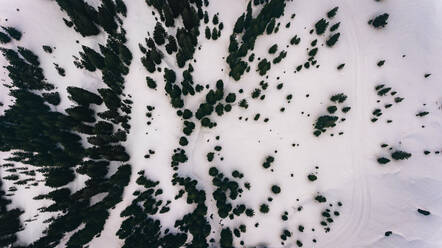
{"x": 376, "y": 198}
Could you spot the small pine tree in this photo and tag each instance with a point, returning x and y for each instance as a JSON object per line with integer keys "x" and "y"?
{"x": 331, "y": 41}
{"x": 383, "y": 160}
{"x": 215, "y": 19}
{"x": 151, "y": 83}
{"x": 215, "y": 33}
{"x": 208, "y": 33}
{"x": 332, "y": 12}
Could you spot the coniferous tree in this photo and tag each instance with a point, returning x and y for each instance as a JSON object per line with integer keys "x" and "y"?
{"x": 125, "y": 54}
{"x": 52, "y": 98}
{"x": 105, "y": 16}
{"x": 92, "y": 57}
{"x": 83, "y": 97}
{"x": 110, "y": 98}
{"x": 226, "y": 240}
{"x": 239, "y": 24}
{"x": 13, "y": 32}
{"x": 159, "y": 34}
{"x": 83, "y": 16}
{"x": 171, "y": 46}
{"x": 9, "y": 221}
{"x": 4, "y": 38}
{"x": 81, "y": 113}
{"x": 208, "y": 33}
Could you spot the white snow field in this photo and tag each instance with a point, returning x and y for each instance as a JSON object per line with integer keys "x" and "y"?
{"x": 376, "y": 198}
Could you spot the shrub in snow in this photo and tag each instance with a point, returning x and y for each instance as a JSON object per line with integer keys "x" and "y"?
{"x": 383, "y": 160}
{"x": 264, "y": 208}
{"x": 312, "y": 177}
{"x": 338, "y": 98}
{"x": 423, "y": 212}
{"x": 379, "y": 21}
{"x": 422, "y": 114}
{"x": 400, "y": 155}
{"x": 276, "y": 189}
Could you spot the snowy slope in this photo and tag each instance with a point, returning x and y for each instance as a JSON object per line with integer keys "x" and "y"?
{"x": 376, "y": 198}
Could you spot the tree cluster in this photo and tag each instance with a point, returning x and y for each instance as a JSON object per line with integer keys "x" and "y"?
{"x": 9, "y": 221}
{"x": 250, "y": 28}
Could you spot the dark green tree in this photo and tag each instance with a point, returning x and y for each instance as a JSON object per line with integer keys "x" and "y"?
{"x": 83, "y": 97}
{"x": 4, "y": 38}
{"x": 13, "y": 32}
{"x": 83, "y": 16}
{"x": 159, "y": 34}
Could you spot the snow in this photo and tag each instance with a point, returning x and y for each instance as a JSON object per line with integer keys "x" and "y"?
{"x": 375, "y": 198}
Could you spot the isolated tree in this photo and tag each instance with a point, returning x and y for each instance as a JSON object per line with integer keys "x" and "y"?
{"x": 332, "y": 12}
{"x": 379, "y": 21}
{"x": 273, "y": 49}
{"x": 151, "y": 83}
